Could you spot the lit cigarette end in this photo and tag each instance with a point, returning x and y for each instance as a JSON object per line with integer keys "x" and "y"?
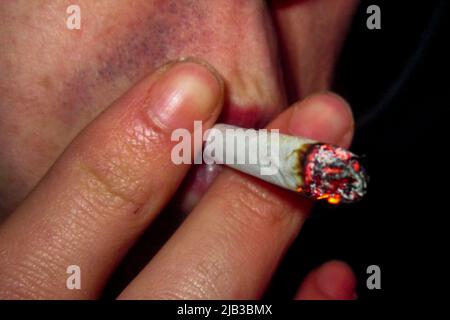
{"x": 316, "y": 170}
{"x": 334, "y": 174}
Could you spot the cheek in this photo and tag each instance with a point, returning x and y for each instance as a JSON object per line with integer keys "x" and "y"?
{"x": 149, "y": 37}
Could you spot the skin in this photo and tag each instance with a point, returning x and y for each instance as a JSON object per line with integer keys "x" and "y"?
{"x": 115, "y": 176}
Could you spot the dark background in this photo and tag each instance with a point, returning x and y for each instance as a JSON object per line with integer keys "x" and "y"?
{"x": 396, "y": 80}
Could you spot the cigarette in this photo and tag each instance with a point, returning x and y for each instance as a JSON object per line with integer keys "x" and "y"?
{"x": 311, "y": 168}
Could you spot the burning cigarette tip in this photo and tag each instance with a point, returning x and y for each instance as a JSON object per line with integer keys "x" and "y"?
{"x": 334, "y": 174}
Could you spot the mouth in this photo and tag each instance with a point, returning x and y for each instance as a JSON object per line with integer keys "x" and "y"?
{"x": 249, "y": 116}
{"x": 200, "y": 177}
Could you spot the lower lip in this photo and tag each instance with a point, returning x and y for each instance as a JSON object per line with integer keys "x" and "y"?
{"x": 250, "y": 116}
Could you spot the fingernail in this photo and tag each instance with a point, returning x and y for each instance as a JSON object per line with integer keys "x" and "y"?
{"x": 186, "y": 91}
{"x": 325, "y": 118}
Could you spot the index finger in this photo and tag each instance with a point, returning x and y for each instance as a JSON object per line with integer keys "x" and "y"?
{"x": 232, "y": 242}
{"x": 106, "y": 188}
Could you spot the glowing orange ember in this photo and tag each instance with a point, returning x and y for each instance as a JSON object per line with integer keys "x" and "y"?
{"x": 334, "y": 200}
{"x": 333, "y": 174}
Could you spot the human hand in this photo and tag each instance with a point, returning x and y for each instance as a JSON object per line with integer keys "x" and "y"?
{"x": 117, "y": 175}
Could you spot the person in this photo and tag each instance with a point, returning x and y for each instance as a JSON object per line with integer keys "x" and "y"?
{"x": 86, "y": 118}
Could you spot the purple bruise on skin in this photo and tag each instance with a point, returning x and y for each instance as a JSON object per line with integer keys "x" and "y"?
{"x": 151, "y": 38}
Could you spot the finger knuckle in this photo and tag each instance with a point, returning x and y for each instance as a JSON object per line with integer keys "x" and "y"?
{"x": 257, "y": 207}
{"x": 107, "y": 186}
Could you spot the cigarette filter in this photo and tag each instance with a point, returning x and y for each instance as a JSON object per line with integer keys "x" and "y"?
{"x": 313, "y": 169}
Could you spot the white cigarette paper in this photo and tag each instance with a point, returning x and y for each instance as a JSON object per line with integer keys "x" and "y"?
{"x": 314, "y": 169}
